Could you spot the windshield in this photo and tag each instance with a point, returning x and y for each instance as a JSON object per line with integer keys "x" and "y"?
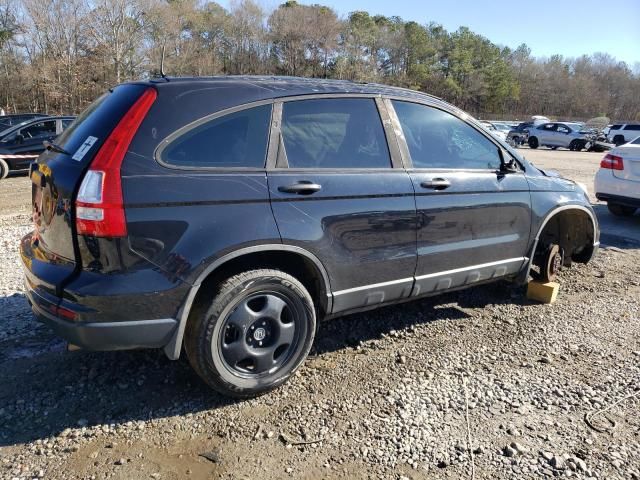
{"x": 502, "y": 127}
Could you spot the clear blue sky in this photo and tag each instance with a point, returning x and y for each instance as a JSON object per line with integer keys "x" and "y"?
{"x": 569, "y": 28}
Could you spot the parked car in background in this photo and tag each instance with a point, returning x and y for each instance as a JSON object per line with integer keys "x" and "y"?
{"x": 618, "y": 179}
{"x": 22, "y": 143}
{"x": 7, "y": 121}
{"x": 493, "y": 129}
{"x": 567, "y": 135}
{"x": 226, "y": 216}
{"x": 518, "y": 136}
{"x": 623, "y": 132}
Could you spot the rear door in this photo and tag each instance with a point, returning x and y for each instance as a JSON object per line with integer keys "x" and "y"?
{"x": 56, "y": 177}
{"x": 473, "y": 219}
{"x": 547, "y": 134}
{"x": 336, "y": 192}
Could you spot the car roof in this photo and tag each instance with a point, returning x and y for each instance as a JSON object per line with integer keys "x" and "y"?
{"x": 260, "y": 87}
{"x": 26, "y": 114}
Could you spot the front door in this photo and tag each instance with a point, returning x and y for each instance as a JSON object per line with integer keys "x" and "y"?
{"x": 473, "y": 218}
{"x": 335, "y": 192}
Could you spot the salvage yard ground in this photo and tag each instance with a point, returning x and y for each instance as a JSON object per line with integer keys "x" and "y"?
{"x": 476, "y": 384}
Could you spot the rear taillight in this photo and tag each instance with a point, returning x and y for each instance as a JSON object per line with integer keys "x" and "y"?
{"x": 99, "y": 205}
{"x": 613, "y": 162}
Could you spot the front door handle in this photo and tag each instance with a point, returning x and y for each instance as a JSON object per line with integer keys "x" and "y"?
{"x": 436, "y": 184}
{"x": 301, "y": 188}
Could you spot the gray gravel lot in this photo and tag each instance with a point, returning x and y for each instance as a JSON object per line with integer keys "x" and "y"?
{"x": 476, "y": 384}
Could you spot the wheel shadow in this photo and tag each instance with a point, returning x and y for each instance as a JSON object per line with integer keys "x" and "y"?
{"x": 620, "y": 232}
{"x": 47, "y": 389}
{"x": 352, "y": 330}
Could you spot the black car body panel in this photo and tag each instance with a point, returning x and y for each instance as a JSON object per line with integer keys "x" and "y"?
{"x": 371, "y": 235}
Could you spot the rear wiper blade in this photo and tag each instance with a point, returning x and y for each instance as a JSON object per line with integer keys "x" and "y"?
{"x": 56, "y": 148}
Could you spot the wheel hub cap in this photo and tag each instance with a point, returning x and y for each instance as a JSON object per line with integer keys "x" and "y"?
{"x": 259, "y": 334}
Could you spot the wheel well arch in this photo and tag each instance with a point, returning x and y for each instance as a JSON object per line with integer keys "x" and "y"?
{"x": 293, "y": 260}
{"x": 573, "y": 228}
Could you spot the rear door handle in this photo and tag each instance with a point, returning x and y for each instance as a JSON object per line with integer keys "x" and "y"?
{"x": 301, "y": 188}
{"x": 436, "y": 184}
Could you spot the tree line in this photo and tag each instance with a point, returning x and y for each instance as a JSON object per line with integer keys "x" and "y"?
{"x": 58, "y": 55}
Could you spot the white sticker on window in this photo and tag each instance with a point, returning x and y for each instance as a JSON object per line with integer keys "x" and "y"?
{"x": 84, "y": 148}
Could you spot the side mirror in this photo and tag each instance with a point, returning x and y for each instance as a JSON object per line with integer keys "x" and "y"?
{"x": 507, "y": 163}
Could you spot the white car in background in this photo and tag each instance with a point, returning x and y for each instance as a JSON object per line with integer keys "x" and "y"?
{"x": 623, "y": 132}
{"x": 497, "y": 130}
{"x": 618, "y": 180}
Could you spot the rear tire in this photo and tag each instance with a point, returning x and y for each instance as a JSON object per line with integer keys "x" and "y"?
{"x": 257, "y": 330}
{"x": 4, "y": 169}
{"x": 533, "y": 142}
{"x": 621, "y": 210}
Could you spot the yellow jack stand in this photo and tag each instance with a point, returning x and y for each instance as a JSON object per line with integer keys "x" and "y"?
{"x": 543, "y": 292}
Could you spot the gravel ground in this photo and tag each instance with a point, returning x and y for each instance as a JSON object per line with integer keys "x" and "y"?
{"x": 476, "y": 384}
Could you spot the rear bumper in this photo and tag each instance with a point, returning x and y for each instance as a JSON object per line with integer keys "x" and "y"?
{"x": 118, "y": 311}
{"x": 619, "y": 200}
{"x": 101, "y": 335}
{"x": 610, "y": 188}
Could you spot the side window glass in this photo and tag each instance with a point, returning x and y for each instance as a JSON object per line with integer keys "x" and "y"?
{"x": 563, "y": 129}
{"x": 437, "y": 139}
{"x": 235, "y": 140}
{"x": 39, "y": 130}
{"x": 334, "y": 133}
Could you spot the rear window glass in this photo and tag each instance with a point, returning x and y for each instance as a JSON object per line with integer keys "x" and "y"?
{"x": 334, "y": 133}
{"x": 236, "y": 140}
{"x": 636, "y": 141}
{"x": 99, "y": 118}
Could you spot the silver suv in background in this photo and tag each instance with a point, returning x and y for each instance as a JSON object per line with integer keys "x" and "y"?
{"x": 623, "y": 133}
{"x": 552, "y": 134}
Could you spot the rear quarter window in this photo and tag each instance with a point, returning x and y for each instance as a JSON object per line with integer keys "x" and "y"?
{"x": 235, "y": 140}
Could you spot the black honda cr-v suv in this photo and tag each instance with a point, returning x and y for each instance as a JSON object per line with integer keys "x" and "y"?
{"x": 226, "y": 216}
